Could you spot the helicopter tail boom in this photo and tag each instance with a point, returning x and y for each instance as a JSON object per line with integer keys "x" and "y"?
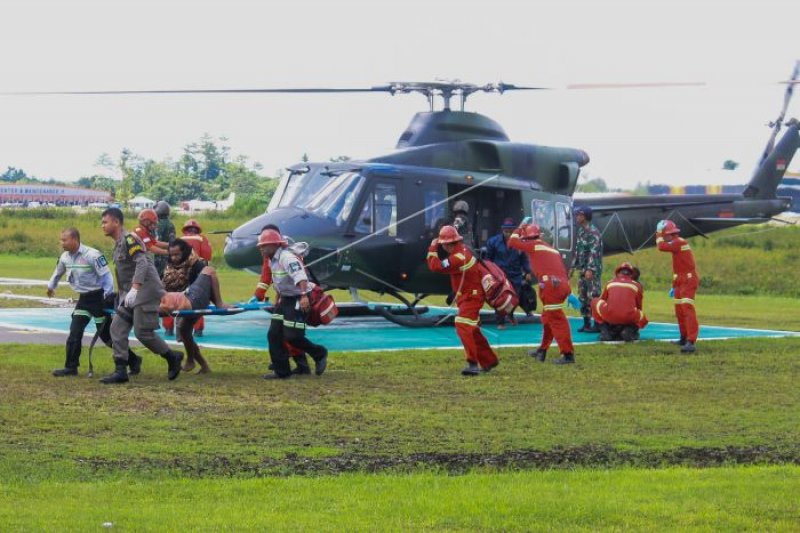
{"x": 769, "y": 173}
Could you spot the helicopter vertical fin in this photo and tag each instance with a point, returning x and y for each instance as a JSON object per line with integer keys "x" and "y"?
{"x": 770, "y": 172}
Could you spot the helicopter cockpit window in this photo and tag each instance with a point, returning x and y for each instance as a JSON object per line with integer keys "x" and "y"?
{"x": 380, "y": 211}
{"x": 302, "y": 186}
{"x": 544, "y": 216}
{"x": 336, "y": 199}
{"x": 564, "y": 225}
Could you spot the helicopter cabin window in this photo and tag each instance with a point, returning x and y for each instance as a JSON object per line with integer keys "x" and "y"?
{"x": 336, "y": 199}
{"x": 380, "y": 211}
{"x": 544, "y": 216}
{"x": 434, "y": 209}
{"x": 564, "y": 225}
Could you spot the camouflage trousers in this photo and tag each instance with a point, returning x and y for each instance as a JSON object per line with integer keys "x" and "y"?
{"x": 588, "y": 289}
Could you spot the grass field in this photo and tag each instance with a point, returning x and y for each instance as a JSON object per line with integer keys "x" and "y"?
{"x": 632, "y": 437}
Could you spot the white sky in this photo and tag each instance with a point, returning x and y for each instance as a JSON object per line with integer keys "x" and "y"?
{"x": 673, "y": 135}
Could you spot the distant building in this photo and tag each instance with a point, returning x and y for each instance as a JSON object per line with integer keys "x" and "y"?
{"x": 25, "y": 193}
{"x": 141, "y": 202}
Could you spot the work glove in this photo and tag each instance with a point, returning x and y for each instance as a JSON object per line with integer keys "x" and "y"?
{"x": 672, "y": 292}
{"x": 253, "y": 300}
{"x": 130, "y": 298}
{"x": 573, "y": 302}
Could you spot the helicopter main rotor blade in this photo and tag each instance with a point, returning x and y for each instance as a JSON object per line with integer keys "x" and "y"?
{"x": 776, "y": 126}
{"x": 309, "y": 90}
{"x": 636, "y": 85}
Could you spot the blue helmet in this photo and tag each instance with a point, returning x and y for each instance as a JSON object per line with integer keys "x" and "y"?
{"x": 584, "y": 210}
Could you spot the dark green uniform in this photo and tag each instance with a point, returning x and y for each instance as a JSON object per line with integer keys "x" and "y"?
{"x": 588, "y": 256}
{"x": 165, "y": 232}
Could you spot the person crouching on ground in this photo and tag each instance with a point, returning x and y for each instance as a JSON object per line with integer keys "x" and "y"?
{"x": 288, "y": 318}
{"x": 182, "y": 271}
{"x": 203, "y": 291}
{"x": 618, "y": 311}
{"x": 465, "y": 280}
{"x": 548, "y": 267}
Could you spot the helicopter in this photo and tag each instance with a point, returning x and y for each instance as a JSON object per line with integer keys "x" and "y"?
{"x": 369, "y": 222}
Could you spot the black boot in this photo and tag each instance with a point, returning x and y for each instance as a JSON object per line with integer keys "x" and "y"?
{"x": 593, "y": 328}
{"x": 630, "y": 333}
{"x": 472, "y": 369}
{"x": 688, "y": 347}
{"x": 680, "y": 342}
{"x": 539, "y": 354}
{"x": 302, "y": 367}
{"x": 134, "y": 363}
{"x": 587, "y": 325}
{"x": 120, "y": 374}
{"x": 174, "y": 359}
{"x": 66, "y": 371}
{"x": 321, "y": 364}
{"x": 565, "y": 359}
{"x": 605, "y": 333}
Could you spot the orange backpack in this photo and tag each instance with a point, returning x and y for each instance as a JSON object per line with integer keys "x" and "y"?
{"x": 323, "y": 308}
{"x": 499, "y": 292}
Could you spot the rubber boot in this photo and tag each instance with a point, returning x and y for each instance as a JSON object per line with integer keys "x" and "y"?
{"x": 174, "y": 359}
{"x": 587, "y": 325}
{"x": 472, "y": 369}
{"x": 605, "y": 333}
{"x": 680, "y": 342}
{"x": 538, "y": 354}
{"x": 565, "y": 359}
{"x": 592, "y": 328}
{"x": 120, "y": 374}
{"x": 134, "y": 363}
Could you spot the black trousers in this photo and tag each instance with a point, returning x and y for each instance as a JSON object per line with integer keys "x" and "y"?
{"x": 288, "y": 323}
{"x": 89, "y": 308}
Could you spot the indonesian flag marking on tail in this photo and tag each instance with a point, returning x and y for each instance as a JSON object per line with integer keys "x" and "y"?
{"x": 780, "y": 165}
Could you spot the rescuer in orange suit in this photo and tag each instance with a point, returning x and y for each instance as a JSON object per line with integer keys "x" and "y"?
{"x": 549, "y": 269}
{"x": 618, "y": 311}
{"x": 192, "y": 233}
{"x": 260, "y": 295}
{"x": 465, "y": 280}
{"x": 146, "y": 230}
{"x": 684, "y": 281}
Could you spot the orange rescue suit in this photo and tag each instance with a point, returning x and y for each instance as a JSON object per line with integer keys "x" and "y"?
{"x": 200, "y": 245}
{"x": 549, "y": 269}
{"x": 685, "y": 282}
{"x": 621, "y": 303}
{"x": 465, "y": 279}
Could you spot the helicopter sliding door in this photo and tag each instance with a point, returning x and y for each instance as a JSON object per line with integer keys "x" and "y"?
{"x": 553, "y": 214}
{"x": 489, "y": 206}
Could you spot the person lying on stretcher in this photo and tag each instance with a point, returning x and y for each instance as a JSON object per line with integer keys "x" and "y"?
{"x": 199, "y": 295}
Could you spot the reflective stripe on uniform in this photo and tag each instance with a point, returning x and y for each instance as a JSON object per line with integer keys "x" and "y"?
{"x": 468, "y": 265}
{"x": 432, "y": 254}
{"x": 277, "y": 317}
{"x": 467, "y": 321}
{"x": 82, "y": 312}
{"x": 542, "y": 248}
{"x": 685, "y": 248}
{"x": 622, "y": 284}
{"x": 262, "y": 286}
{"x": 295, "y": 325}
{"x": 554, "y": 307}
{"x": 597, "y": 307}
{"x": 679, "y": 301}
{"x": 99, "y": 320}
{"x": 460, "y": 255}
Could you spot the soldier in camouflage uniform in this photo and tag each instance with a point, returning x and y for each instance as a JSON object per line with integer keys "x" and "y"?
{"x": 140, "y": 291}
{"x": 589, "y": 264}
{"x": 165, "y": 232}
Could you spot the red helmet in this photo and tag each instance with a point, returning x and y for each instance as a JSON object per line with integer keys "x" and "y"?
{"x": 192, "y": 223}
{"x": 530, "y": 231}
{"x": 667, "y": 227}
{"x": 625, "y": 266}
{"x": 270, "y": 236}
{"x": 148, "y": 214}
{"x": 449, "y": 234}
